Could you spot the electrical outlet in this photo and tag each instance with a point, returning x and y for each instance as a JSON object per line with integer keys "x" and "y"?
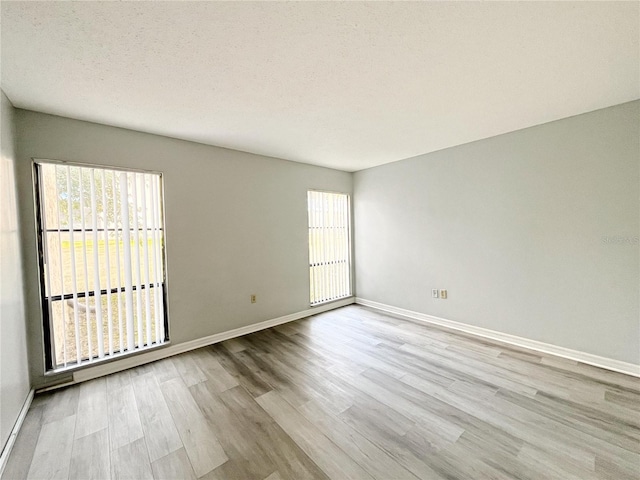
{"x": 253, "y": 299}
{"x": 434, "y": 293}
{"x": 443, "y": 294}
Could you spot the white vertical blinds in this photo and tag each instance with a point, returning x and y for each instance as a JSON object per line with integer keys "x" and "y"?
{"x": 329, "y": 246}
{"x": 107, "y": 264}
{"x": 96, "y": 266}
{"x": 74, "y": 282}
{"x": 118, "y": 270}
{"x": 128, "y": 276}
{"x": 101, "y": 241}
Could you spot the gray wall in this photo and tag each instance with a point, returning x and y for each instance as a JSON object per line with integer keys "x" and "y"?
{"x": 236, "y": 223}
{"x": 14, "y": 374}
{"x": 518, "y": 229}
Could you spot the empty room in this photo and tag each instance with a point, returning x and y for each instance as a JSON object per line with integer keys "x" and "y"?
{"x": 320, "y": 240}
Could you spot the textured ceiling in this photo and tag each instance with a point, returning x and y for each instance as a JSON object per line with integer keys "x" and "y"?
{"x": 345, "y": 85}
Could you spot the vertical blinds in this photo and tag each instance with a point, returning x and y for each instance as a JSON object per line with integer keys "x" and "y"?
{"x": 329, "y": 246}
{"x": 102, "y": 262}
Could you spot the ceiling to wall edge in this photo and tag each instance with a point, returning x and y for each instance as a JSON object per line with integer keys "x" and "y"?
{"x": 306, "y": 163}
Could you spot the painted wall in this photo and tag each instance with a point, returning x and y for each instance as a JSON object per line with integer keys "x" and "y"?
{"x": 534, "y": 233}
{"x": 236, "y": 223}
{"x": 14, "y": 374}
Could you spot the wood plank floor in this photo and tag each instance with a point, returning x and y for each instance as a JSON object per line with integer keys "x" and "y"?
{"x": 350, "y": 393}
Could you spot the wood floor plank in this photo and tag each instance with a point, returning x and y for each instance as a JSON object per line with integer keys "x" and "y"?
{"x": 188, "y": 369}
{"x": 404, "y": 404}
{"x": 216, "y": 375}
{"x": 52, "y": 455}
{"x": 239, "y": 440}
{"x": 552, "y": 468}
{"x": 118, "y": 380}
{"x": 173, "y": 466}
{"x": 234, "y": 345}
{"x": 351, "y": 354}
{"x": 124, "y": 419}
{"x": 233, "y": 469}
{"x": 141, "y": 370}
{"x": 581, "y": 418}
{"x": 273, "y": 342}
{"x": 626, "y": 400}
{"x": 582, "y": 371}
{"x": 502, "y": 416}
{"x": 318, "y": 385}
{"x": 91, "y": 459}
{"x": 386, "y": 418}
{"x": 238, "y": 370}
{"x": 382, "y": 435}
{"x": 288, "y": 457}
{"x": 61, "y": 405}
{"x": 165, "y": 370}
{"x": 447, "y": 463}
{"x": 276, "y": 378}
{"x": 329, "y": 457}
{"x": 131, "y": 462}
{"x": 471, "y": 370}
{"x": 285, "y": 328}
{"x": 92, "y": 408}
{"x": 611, "y": 468}
{"x": 274, "y": 476}
{"x": 159, "y": 429}
{"x": 473, "y": 389}
{"x": 377, "y": 462}
{"x": 202, "y": 446}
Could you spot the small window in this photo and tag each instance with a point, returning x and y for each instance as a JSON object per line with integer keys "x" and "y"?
{"x": 329, "y": 246}
{"x": 101, "y": 248}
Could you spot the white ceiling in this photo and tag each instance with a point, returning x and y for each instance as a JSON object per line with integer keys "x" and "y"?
{"x": 345, "y": 85}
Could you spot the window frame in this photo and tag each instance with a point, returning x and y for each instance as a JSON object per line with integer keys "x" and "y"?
{"x": 48, "y": 338}
{"x": 349, "y": 246}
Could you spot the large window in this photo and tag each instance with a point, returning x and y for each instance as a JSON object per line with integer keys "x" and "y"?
{"x": 329, "y": 246}
{"x": 101, "y": 242}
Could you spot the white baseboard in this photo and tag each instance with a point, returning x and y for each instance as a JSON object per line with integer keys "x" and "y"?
{"x": 6, "y": 451}
{"x": 171, "y": 350}
{"x": 583, "y": 357}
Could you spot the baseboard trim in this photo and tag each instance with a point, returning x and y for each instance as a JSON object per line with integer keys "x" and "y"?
{"x": 6, "y": 450}
{"x": 171, "y": 350}
{"x": 583, "y": 357}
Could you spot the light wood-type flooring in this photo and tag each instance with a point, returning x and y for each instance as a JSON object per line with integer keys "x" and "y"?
{"x": 347, "y": 394}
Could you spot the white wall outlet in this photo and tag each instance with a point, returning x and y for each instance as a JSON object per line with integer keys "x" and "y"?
{"x": 434, "y": 293}
{"x": 253, "y": 299}
{"x": 443, "y": 294}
